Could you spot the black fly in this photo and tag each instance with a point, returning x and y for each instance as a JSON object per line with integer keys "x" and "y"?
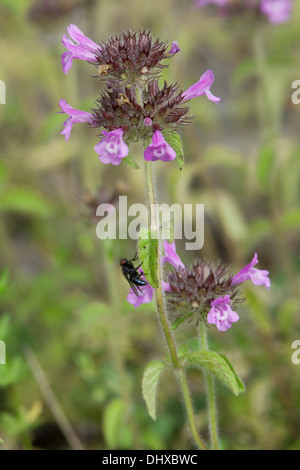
{"x": 132, "y": 274}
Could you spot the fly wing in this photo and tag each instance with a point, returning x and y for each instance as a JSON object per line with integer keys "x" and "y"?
{"x": 135, "y": 288}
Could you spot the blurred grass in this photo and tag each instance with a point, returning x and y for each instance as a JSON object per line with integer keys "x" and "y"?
{"x": 242, "y": 162}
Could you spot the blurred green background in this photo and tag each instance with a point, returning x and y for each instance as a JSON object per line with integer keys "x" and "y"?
{"x": 69, "y": 332}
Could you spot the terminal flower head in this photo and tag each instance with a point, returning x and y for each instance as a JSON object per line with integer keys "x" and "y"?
{"x": 135, "y": 104}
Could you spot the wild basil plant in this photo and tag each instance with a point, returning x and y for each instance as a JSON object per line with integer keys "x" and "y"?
{"x": 137, "y": 106}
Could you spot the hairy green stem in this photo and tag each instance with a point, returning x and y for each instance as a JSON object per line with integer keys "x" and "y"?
{"x": 210, "y": 394}
{"x": 178, "y": 370}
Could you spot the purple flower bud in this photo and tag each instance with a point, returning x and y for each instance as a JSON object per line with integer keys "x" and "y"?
{"x": 148, "y": 122}
{"x": 75, "y": 116}
{"x": 257, "y": 276}
{"x": 174, "y": 48}
{"x": 277, "y": 11}
{"x": 112, "y": 148}
{"x": 83, "y": 48}
{"x": 202, "y": 87}
{"x": 159, "y": 149}
{"x": 171, "y": 256}
{"x": 221, "y": 313}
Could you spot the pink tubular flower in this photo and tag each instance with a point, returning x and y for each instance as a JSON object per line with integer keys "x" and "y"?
{"x": 171, "y": 256}
{"x": 75, "y": 116}
{"x": 82, "y": 48}
{"x": 174, "y": 48}
{"x": 159, "y": 149}
{"x": 257, "y": 276}
{"x": 221, "y": 313}
{"x": 277, "y": 11}
{"x": 145, "y": 298}
{"x": 202, "y": 87}
{"x": 112, "y": 148}
{"x": 146, "y": 295}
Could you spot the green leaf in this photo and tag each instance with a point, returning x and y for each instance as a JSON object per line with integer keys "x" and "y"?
{"x": 174, "y": 140}
{"x": 148, "y": 247}
{"x": 218, "y": 365}
{"x": 130, "y": 162}
{"x": 149, "y": 385}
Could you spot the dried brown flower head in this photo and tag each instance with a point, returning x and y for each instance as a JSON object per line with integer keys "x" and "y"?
{"x": 131, "y": 56}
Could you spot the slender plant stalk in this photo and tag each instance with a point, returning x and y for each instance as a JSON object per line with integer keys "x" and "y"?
{"x": 178, "y": 370}
{"x": 51, "y": 399}
{"x": 210, "y": 394}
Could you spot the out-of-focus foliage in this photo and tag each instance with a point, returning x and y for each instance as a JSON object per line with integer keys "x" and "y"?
{"x": 62, "y": 293}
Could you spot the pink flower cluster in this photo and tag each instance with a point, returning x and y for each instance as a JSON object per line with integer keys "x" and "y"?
{"x": 220, "y": 313}
{"x": 276, "y": 11}
{"x": 112, "y": 148}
